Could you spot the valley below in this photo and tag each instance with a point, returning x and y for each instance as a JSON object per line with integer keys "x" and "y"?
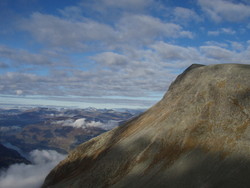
{"x": 56, "y": 129}
{"x": 35, "y": 140}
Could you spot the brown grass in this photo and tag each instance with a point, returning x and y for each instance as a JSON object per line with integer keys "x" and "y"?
{"x": 221, "y": 84}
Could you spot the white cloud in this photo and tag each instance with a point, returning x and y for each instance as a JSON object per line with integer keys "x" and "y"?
{"x": 94, "y": 124}
{"x": 213, "y": 33}
{"x": 217, "y": 53}
{"x": 23, "y": 57}
{"x": 174, "y": 52}
{"x": 132, "y": 72}
{"x": 215, "y": 43}
{"x": 127, "y": 4}
{"x": 110, "y": 125}
{"x": 72, "y": 12}
{"x": 57, "y": 31}
{"x": 225, "y": 10}
{"x": 3, "y": 65}
{"x": 185, "y": 15}
{"x": 89, "y": 34}
{"x": 228, "y": 31}
{"x": 19, "y": 92}
{"x": 81, "y": 123}
{"x": 111, "y": 59}
{"x": 146, "y": 29}
{"x": 114, "y": 7}
{"x": 14, "y": 83}
{"x": 237, "y": 45}
{"x": 33, "y": 175}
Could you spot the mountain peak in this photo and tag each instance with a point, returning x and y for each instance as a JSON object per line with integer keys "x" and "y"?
{"x": 196, "y": 136}
{"x": 186, "y": 71}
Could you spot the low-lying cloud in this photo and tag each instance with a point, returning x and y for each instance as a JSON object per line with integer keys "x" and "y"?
{"x": 82, "y": 123}
{"x": 32, "y": 175}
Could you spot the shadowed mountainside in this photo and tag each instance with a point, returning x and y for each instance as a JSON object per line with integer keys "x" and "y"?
{"x": 198, "y": 135}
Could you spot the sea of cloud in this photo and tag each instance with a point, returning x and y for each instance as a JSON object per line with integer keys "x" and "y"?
{"x": 32, "y": 175}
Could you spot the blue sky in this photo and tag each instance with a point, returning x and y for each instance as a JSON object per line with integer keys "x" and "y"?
{"x": 112, "y": 53}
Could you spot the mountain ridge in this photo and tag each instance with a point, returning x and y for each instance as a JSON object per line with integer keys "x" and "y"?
{"x": 9, "y": 156}
{"x": 197, "y": 135}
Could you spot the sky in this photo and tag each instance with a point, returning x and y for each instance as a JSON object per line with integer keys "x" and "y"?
{"x": 112, "y": 53}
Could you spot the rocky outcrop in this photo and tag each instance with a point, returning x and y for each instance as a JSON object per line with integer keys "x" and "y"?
{"x": 198, "y": 135}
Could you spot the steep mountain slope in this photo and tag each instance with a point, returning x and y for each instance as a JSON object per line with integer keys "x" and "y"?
{"x": 9, "y": 157}
{"x": 198, "y": 135}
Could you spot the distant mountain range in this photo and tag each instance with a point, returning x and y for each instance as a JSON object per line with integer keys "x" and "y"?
{"x": 57, "y": 129}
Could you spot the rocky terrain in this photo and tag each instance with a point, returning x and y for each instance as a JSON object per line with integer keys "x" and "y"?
{"x": 198, "y": 135}
{"x": 56, "y": 129}
{"x": 9, "y": 157}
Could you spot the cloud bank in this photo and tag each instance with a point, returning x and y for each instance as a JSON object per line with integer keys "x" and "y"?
{"x": 30, "y": 176}
{"x": 82, "y": 123}
{"x": 228, "y": 10}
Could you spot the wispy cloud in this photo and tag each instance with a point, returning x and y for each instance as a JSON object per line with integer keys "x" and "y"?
{"x": 228, "y": 31}
{"x": 135, "y": 29}
{"x": 217, "y": 53}
{"x": 185, "y": 15}
{"x": 220, "y": 10}
{"x": 56, "y": 31}
{"x": 23, "y": 57}
{"x": 3, "y": 65}
{"x": 112, "y": 9}
{"x": 111, "y": 59}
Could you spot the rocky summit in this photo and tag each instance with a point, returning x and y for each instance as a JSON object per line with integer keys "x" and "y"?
{"x": 197, "y": 136}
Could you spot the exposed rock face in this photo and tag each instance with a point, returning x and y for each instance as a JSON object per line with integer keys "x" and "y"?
{"x": 198, "y": 135}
